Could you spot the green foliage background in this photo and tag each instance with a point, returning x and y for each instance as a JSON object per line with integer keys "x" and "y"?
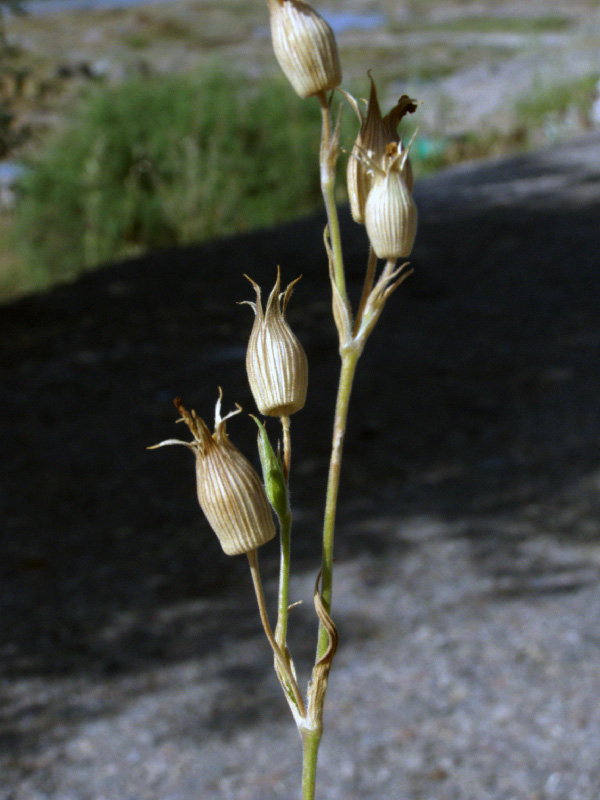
{"x": 168, "y": 160}
{"x": 164, "y": 161}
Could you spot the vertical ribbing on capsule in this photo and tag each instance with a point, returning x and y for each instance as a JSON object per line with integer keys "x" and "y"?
{"x": 390, "y": 211}
{"x": 375, "y": 133}
{"x": 233, "y": 498}
{"x": 230, "y": 493}
{"x": 305, "y": 47}
{"x": 276, "y": 363}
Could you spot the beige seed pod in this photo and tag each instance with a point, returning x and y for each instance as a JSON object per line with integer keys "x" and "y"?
{"x": 276, "y": 363}
{"x": 305, "y": 47}
{"x": 230, "y": 493}
{"x": 390, "y": 211}
{"x": 375, "y": 133}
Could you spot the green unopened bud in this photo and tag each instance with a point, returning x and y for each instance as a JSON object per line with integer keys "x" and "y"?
{"x": 305, "y": 47}
{"x": 273, "y": 476}
{"x": 275, "y": 360}
{"x": 230, "y": 491}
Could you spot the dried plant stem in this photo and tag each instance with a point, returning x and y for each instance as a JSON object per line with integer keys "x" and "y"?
{"x": 367, "y": 286}
{"x": 327, "y": 161}
{"x": 289, "y": 682}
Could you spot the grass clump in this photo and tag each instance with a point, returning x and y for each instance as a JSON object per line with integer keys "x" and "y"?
{"x": 557, "y": 100}
{"x": 164, "y": 161}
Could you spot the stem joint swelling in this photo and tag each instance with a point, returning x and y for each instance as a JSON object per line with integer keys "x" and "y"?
{"x": 352, "y": 348}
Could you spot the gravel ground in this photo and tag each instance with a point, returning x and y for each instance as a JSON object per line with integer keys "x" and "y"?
{"x": 466, "y": 596}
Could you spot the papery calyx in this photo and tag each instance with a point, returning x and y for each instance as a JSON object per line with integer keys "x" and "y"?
{"x": 376, "y": 133}
{"x": 230, "y": 492}
{"x": 390, "y": 211}
{"x": 276, "y": 363}
{"x": 305, "y": 47}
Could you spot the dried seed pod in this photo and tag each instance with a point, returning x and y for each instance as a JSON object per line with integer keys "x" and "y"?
{"x": 276, "y": 363}
{"x": 305, "y": 47}
{"x": 230, "y": 493}
{"x": 376, "y": 132}
{"x": 390, "y": 211}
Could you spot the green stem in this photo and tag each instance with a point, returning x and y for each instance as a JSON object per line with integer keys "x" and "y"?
{"x": 310, "y": 751}
{"x": 327, "y": 162}
{"x": 285, "y": 531}
{"x": 287, "y": 447}
{"x": 288, "y": 681}
{"x": 350, "y": 353}
{"x": 284, "y": 580}
{"x": 350, "y": 358}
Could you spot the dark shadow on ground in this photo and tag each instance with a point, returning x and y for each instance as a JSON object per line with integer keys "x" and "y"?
{"x": 478, "y": 394}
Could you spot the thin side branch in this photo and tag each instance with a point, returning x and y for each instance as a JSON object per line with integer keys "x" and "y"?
{"x": 289, "y": 682}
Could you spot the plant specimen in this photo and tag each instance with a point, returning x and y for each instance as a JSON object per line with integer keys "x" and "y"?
{"x": 231, "y": 495}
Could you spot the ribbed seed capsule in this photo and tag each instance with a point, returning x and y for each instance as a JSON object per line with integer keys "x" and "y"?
{"x": 305, "y": 47}
{"x": 230, "y": 493}
{"x": 376, "y": 132}
{"x": 276, "y": 363}
{"x": 390, "y": 211}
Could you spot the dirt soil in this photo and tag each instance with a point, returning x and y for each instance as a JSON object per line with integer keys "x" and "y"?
{"x": 132, "y": 662}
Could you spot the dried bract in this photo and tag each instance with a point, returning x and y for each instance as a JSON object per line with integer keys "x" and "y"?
{"x": 305, "y": 47}
{"x": 230, "y": 493}
{"x": 276, "y": 363}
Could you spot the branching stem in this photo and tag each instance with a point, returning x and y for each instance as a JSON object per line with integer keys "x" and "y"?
{"x": 327, "y": 161}
{"x": 367, "y": 286}
{"x": 290, "y": 684}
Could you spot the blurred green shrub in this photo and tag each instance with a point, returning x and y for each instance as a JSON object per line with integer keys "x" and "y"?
{"x": 163, "y": 161}
{"x": 548, "y": 103}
